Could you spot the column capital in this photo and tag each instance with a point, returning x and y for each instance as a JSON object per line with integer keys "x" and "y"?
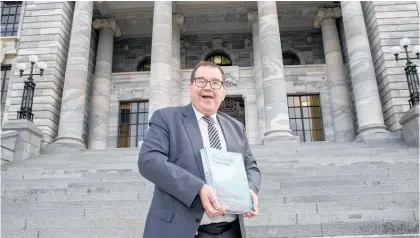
{"x": 107, "y": 23}
{"x": 178, "y": 20}
{"x": 324, "y": 13}
{"x": 252, "y": 17}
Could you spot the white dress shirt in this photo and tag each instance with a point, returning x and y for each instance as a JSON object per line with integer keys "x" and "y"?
{"x": 205, "y": 136}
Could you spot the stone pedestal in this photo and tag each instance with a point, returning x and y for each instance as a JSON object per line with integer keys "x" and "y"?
{"x": 365, "y": 88}
{"x": 177, "y": 21}
{"x": 70, "y": 130}
{"x": 410, "y": 126}
{"x": 161, "y": 57}
{"x": 341, "y": 104}
{"x": 21, "y": 139}
{"x": 254, "y": 24}
{"x": 99, "y": 108}
{"x": 274, "y": 84}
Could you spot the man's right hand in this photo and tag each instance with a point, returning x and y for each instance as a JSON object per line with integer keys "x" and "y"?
{"x": 209, "y": 201}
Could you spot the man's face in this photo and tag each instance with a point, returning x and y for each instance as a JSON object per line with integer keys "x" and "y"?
{"x": 207, "y": 100}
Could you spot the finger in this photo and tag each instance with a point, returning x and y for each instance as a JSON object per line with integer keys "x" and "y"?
{"x": 214, "y": 201}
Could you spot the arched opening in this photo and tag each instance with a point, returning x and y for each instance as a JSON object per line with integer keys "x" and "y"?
{"x": 290, "y": 58}
{"x": 219, "y": 58}
{"x": 144, "y": 65}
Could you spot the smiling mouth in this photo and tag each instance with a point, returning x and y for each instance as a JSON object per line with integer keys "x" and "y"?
{"x": 207, "y": 97}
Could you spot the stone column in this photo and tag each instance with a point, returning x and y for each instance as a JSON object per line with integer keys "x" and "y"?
{"x": 341, "y": 104}
{"x": 99, "y": 114}
{"x": 161, "y": 59}
{"x": 274, "y": 85}
{"x": 365, "y": 88}
{"x": 253, "y": 21}
{"x": 177, "y": 20}
{"x": 70, "y": 129}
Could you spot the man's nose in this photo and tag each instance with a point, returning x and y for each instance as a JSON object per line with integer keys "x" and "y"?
{"x": 208, "y": 86}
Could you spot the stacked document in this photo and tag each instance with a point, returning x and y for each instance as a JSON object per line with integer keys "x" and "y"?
{"x": 225, "y": 173}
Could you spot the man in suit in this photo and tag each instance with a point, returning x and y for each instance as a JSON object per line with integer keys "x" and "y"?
{"x": 183, "y": 205}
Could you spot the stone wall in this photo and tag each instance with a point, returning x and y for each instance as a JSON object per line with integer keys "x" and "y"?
{"x": 91, "y": 75}
{"x": 130, "y": 86}
{"x": 45, "y": 32}
{"x": 387, "y": 23}
{"x": 134, "y": 86}
{"x": 129, "y": 52}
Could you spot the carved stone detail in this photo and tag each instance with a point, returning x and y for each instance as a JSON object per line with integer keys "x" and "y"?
{"x": 326, "y": 13}
{"x": 107, "y": 23}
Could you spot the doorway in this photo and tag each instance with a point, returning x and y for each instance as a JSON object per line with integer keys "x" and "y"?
{"x": 234, "y": 106}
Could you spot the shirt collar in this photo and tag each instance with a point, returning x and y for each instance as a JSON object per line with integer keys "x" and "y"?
{"x": 200, "y": 115}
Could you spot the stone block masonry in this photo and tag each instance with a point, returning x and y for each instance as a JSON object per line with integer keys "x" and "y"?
{"x": 387, "y": 23}
{"x": 45, "y": 33}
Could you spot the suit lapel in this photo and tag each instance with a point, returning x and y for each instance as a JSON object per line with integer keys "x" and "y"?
{"x": 227, "y": 133}
{"x": 191, "y": 126}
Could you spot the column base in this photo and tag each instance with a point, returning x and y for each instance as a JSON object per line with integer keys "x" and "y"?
{"x": 280, "y": 137}
{"x": 65, "y": 145}
{"x": 380, "y": 137}
{"x": 410, "y": 126}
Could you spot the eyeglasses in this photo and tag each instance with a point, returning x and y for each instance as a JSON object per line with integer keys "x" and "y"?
{"x": 214, "y": 84}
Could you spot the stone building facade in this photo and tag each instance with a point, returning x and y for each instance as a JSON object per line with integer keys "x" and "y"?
{"x": 296, "y": 71}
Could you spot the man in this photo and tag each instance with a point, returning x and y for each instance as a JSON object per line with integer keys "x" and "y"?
{"x": 183, "y": 205}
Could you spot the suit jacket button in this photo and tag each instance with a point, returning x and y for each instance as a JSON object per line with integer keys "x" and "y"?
{"x": 198, "y": 220}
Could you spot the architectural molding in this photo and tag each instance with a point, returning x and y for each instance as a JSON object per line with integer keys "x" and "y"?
{"x": 296, "y": 52}
{"x": 107, "y": 23}
{"x": 178, "y": 20}
{"x": 8, "y": 47}
{"x": 252, "y": 18}
{"x": 325, "y": 13}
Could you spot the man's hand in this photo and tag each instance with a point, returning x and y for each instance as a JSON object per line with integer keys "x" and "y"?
{"x": 209, "y": 201}
{"x": 255, "y": 203}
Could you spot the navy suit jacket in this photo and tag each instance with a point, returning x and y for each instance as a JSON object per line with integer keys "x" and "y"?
{"x": 170, "y": 158}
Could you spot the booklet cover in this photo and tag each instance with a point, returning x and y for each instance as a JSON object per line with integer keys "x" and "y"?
{"x": 225, "y": 172}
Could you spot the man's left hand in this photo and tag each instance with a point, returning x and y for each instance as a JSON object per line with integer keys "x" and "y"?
{"x": 255, "y": 203}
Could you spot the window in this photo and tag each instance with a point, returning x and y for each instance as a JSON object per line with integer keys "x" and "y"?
{"x": 219, "y": 58}
{"x": 5, "y": 76}
{"x": 290, "y": 58}
{"x": 305, "y": 117}
{"x": 144, "y": 65}
{"x": 10, "y": 17}
{"x": 133, "y": 123}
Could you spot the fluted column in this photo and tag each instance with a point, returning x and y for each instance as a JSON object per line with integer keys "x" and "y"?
{"x": 177, "y": 20}
{"x": 70, "y": 129}
{"x": 274, "y": 85}
{"x": 99, "y": 108}
{"x": 365, "y": 88}
{"x": 161, "y": 60}
{"x": 253, "y": 21}
{"x": 340, "y": 103}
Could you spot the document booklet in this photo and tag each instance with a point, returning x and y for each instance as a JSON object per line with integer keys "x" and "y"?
{"x": 225, "y": 173}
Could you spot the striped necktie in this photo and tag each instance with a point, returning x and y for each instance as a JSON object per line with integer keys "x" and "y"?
{"x": 212, "y": 131}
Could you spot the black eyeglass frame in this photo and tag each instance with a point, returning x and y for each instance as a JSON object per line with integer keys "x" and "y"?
{"x": 207, "y": 81}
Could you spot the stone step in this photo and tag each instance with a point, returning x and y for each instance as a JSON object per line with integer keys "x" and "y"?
{"x": 268, "y": 219}
{"x": 266, "y": 189}
{"x": 140, "y": 209}
{"x": 359, "y": 229}
{"x": 124, "y": 166}
{"x": 298, "y": 160}
{"x": 108, "y": 154}
{"x": 269, "y": 174}
{"x": 136, "y": 192}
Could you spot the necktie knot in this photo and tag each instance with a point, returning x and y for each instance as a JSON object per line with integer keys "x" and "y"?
{"x": 208, "y": 119}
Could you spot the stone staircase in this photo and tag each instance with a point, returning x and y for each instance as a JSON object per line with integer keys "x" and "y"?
{"x": 309, "y": 190}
